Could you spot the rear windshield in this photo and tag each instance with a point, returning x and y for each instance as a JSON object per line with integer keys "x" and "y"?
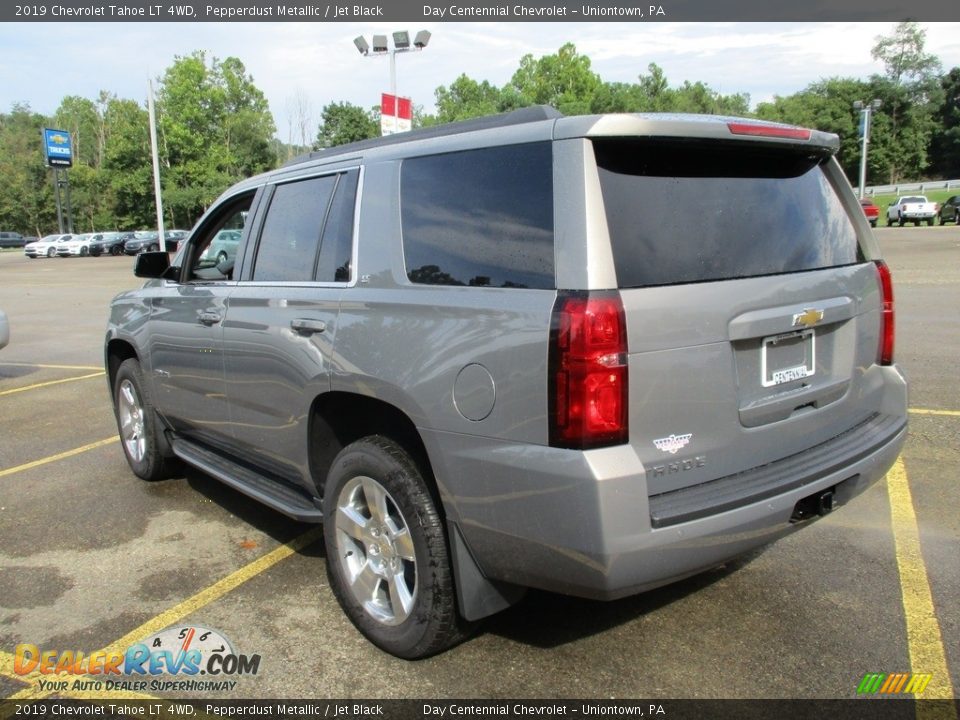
{"x": 685, "y": 211}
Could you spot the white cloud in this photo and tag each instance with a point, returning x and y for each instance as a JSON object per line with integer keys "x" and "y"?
{"x": 42, "y": 63}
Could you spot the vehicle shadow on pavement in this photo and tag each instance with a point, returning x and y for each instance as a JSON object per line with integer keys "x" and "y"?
{"x": 247, "y": 510}
{"x": 542, "y": 619}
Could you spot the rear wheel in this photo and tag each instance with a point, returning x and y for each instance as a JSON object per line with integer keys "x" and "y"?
{"x": 116, "y": 250}
{"x": 929, "y": 222}
{"x": 387, "y": 556}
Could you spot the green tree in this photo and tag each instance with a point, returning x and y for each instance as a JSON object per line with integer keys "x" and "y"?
{"x": 945, "y": 144}
{"x": 343, "y": 123}
{"x": 466, "y": 98}
{"x": 910, "y": 90}
{"x": 27, "y": 204}
{"x": 128, "y": 166}
{"x": 215, "y": 128}
{"x": 563, "y": 80}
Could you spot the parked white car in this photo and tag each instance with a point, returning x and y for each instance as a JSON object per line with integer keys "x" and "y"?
{"x": 4, "y": 329}
{"x": 45, "y": 246}
{"x": 77, "y": 245}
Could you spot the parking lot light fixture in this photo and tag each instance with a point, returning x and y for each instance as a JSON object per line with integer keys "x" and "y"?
{"x": 401, "y": 44}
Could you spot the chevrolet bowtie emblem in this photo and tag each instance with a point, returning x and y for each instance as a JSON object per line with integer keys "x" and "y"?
{"x": 808, "y": 318}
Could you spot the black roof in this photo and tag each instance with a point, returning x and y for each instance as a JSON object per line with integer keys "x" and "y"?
{"x": 522, "y": 116}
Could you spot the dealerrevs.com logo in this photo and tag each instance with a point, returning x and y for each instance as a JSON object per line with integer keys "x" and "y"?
{"x": 154, "y": 664}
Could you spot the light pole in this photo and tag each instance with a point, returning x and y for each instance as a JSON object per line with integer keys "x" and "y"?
{"x": 401, "y": 44}
{"x": 866, "y": 111}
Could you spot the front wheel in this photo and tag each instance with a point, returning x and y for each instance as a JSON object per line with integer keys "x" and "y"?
{"x": 387, "y": 557}
{"x": 137, "y": 423}
{"x": 51, "y": 252}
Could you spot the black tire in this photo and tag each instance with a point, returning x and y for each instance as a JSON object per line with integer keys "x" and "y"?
{"x": 51, "y": 252}
{"x": 139, "y": 432}
{"x": 889, "y": 222}
{"x": 929, "y": 222}
{"x": 873, "y": 223}
{"x": 221, "y": 257}
{"x": 116, "y": 250}
{"x": 414, "y": 615}
{"x": 84, "y": 251}
{"x": 153, "y": 248}
{"x": 956, "y": 217}
{"x": 943, "y": 220}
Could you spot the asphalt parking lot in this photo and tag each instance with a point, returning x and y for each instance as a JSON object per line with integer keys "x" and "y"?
{"x": 92, "y": 558}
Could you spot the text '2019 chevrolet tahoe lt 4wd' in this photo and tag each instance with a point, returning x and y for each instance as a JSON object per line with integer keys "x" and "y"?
{"x": 494, "y": 355}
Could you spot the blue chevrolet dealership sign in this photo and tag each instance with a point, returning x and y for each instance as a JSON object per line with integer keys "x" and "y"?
{"x": 57, "y": 148}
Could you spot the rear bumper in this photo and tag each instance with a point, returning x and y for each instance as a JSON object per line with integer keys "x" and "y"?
{"x": 581, "y": 523}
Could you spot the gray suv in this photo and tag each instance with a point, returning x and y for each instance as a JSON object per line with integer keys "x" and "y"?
{"x": 591, "y": 355}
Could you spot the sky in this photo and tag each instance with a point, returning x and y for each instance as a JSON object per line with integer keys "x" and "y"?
{"x": 43, "y": 62}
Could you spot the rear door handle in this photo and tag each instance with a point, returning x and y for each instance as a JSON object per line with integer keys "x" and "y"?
{"x": 209, "y": 318}
{"x": 308, "y": 327}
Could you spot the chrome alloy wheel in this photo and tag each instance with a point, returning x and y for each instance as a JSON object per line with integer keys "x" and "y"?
{"x": 375, "y": 551}
{"x": 132, "y": 430}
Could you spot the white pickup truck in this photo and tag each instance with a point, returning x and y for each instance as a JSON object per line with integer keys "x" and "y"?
{"x": 911, "y": 208}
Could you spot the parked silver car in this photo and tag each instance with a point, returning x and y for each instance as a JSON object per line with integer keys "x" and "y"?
{"x": 493, "y": 356}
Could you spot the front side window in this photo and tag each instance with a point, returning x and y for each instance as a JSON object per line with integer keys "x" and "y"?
{"x": 481, "y": 218}
{"x": 214, "y": 253}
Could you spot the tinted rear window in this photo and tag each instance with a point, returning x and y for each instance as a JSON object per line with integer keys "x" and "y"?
{"x": 683, "y": 211}
{"x": 482, "y": 218}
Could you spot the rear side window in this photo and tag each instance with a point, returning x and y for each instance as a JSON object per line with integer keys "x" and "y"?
{"x": 684, "y": 211}
{"x": 308, "y": 232}
{"x": 482, "y": 218}
{"x": 291, "y": 232}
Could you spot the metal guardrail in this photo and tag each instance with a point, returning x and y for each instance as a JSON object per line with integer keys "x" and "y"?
{"x": 919, "y": 187}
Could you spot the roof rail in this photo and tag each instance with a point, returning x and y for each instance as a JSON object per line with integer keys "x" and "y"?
{"x": 534, "y": 113}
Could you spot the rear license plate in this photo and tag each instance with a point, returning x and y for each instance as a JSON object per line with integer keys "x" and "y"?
{"x": 787, "y": 357}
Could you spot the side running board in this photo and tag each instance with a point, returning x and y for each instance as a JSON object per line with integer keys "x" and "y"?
{"x": 273, "y": 493}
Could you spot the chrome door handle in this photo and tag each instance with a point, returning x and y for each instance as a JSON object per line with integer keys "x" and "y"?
{"x": 308, "y": 327}
{"x": 209, "y": 318}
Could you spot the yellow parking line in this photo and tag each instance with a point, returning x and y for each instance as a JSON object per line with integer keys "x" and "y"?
{"x": 52, "y": 382}
{"x": 215, "y": 591}
{"x": 946, "y": 413}
{"x": 174, "y": 614}
{"x": 924, "y": 639}
{"x": 50, "y": 367}
{"x": 58, "y": 456}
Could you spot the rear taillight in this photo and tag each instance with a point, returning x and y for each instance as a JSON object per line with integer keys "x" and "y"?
{"x": 885, "y": 352}
{"x": 588, "y": 371}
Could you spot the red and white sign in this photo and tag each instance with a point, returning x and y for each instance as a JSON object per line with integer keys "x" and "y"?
{"x": 396, "y": 114}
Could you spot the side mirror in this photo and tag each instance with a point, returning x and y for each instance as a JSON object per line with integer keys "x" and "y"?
{"x": 151, "y": 264}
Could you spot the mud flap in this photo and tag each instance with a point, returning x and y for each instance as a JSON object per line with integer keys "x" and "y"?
{"x": 477, "y": 596}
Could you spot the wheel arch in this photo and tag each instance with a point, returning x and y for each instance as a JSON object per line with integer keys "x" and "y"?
{"x": 116, "y": 353}
{"x": 339, "y": 418}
